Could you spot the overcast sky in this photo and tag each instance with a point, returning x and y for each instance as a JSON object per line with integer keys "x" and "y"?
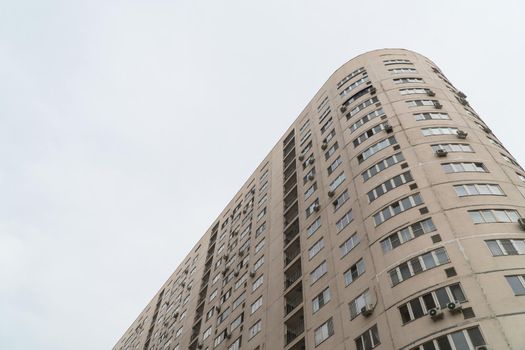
{"x": 127, "y": 126}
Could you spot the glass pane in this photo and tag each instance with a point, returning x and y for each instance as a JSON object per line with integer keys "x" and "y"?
{"x": 443, "y": 343}
{"x": 405, "y": 235}
{"x": 394, "y": 277}
{"x": 375, "y": 335}
{"x": 428, "y": 225}
{"x": 460, "y": 190}
{"x": 395, "y": 241}
{"x": 460, "y": 341}
{"x": 429, "y": 346}
{"x": 488, "y": 216}
{"x": 484, "y": 189}
{"x": 457, "y": 293}
{"x": 442, "y": 297}
{"x": 494, "y": 248}
{"x": 508, "y": 247}
{"x": 405, "y": 272}
{"x": 416, "y": 265}
{"x": 520, "y": 246}
{"x": 500, "y": 216}
{"x": 441, "y": 255}
{"x": 417, "y": 310}
{"x": 359, "y": 343}
{"x": 516, "y": 285}
{"x": 367, "y": 341}
{"x": 428, "y": 260}
{"x": 475, "y": 336}
{"x": 429, "y": 301}
{"x": 514, "y": 216}
{"x": 405, "y": 315}
{"x": 476, "y": 217}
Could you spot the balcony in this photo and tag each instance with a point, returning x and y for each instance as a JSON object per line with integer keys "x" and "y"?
{"x": 292, "y": 230}
{"x": 293, "y": 327}
{"x": 290, "y": 157}
{"x": 292, "y": 251}
{"x": 292, "y": 274}
{"x": 290, "y": 199}
{"x": 290, "y": 183}
{"x": 289, "y": 170}
{"x": 293, "y": 299}
{"x": 291, "y": 214}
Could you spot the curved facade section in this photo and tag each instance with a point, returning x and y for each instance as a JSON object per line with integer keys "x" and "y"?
{"x": 387, "y": 217}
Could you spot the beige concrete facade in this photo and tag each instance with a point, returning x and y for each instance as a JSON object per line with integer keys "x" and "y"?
{"x": 459, "y": 253}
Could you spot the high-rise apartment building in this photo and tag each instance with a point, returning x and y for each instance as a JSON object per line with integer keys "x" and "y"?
{"x": 388, "y": 216}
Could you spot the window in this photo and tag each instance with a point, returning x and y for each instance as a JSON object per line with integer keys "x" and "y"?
{"x": 337, "y": 181}
{"x": 329, "y": 136}
{"x": 408, "y": 80}
{"x": 311, "y": 172}
{"x": 257, "y": 283}
{"x": 478, "y": 190}
{"x": 351, "y": 76}
{"x": 257, "y": 304}
{"x": 331, "y": 151}
{"x": 325, "y": 331}
{"x": 325, "y": 114}
{"x": 344, "y": 221}
{"x": 353, "y": 86}
{"x": 237, "y": 322}
{"x": 439, "y": 131}
{"x": 240, "y": 282}
{"x": 431, "y": 116}
{"x": 368, "y": 340}
{"x": 255, "y": 329}
{"x": 389, "y": 185}
{"x": 466, "y": 339}
{"x": 349, "y": 244}
{"x": 379, "y": 146}
{"x": 362, "y": 106}
{"x": 310, "y": 191}
{"x": 517, "y": 283}
{"x": 213, "y": 294}
{"x": 463, "y": 167}
{"x": 509, "y": 160}
{"x": 369, "y": 133}
{"x": 258, "y": 263}
{"x": 238, "y": 301}
{"x": 319, "y": 272}
{"x": 439, "y": 298}
{"x": 179, "y": 332}
{"x": 334, "y": 165}
{"x": 236, "y": 345}
{"x": 397, "y": 208}
{"x": 312, "y": 208}
{"x": 354, "y": 272}
{"x": 521, "y": 177}
{"x": 224, "y": 315}
{"x": 220, "y": 338}
{"x": 259, "y": 247}
{"x": 322, "y": 105}
{"x": 359, "y": 303}
{"x": 402, "y": 70}
{"x": 452, "y": 147}
{"x": 260, "y": 229}
{"x": 485, "y": 216}
{"x": 226, "y": 296}
{"x": 370, "y": 116}
{"x": 262, "y": 200}
{"x": 261, "y": 214}
{"x": 321, "y": 300}
{"x": 210, "y": 313}
{"x": 500, "y": 247}
{"x": 215, "y": 279}
{"x": 406, "y": 234}
{"x": 207, "y": 333}
{"x": 418, "y": 264}
{"x": 316, "y": 248}
{"x": 382, "y": 165}
{"x": 421, "y": 103}
{"x": 313, "y": 227}
{"x": 339, "y": 201}
{"x": 326, "y": 125}
{"x": 413, "y": 91}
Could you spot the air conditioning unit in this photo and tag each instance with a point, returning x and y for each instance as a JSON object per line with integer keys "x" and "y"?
{"x": 241, "y": 252}
{"x": 252, "y": 274}
{"x": 482, "y": 347}
{"x": 454, "y": 307}
{"x": 200, "y": 345}
{"x": 373, "y": 90}
{"x": 244, "y": 211}
{"x": 441, "y": 153}
{"x": 301, "y": 157}
{"x": 324, "y": 145}
{"x": 435, "y": 313}
{"x": 189, "y": 288}
{"x": 438, "y": 105}
{"x": 236, "y": 273}
{"x": 388, "y": 128}
{"x": 218, "y": 308}
{"x": 331, "y": 193}
{"x": 461, "y": 134}
{"x": 311, "y": 160}
{"x": 367, "y": 310}
{"x": 461, "y": 94}
{"x": 431, "y": 93}
{"x": 228, "y": 335}
{"x": 317, "y": 207}
{"x": 176, "y": 315}
{"x": 343, "y": 108}
{"x": 186, "y": 271}
{"x": 311, "y": 177}
{"x": 183, "y": 284}
{"x": 521, "y": 222}
{"x": 463, "y": 101}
